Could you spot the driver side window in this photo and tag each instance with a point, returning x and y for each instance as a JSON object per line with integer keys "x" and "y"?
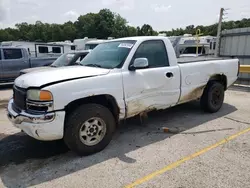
{"x": 154, "y": 51}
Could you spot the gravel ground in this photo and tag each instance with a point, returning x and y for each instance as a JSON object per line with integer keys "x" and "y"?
{"x": 138, "y": 150}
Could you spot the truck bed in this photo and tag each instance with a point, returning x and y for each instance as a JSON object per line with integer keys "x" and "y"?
{"x": 182, "y": 60}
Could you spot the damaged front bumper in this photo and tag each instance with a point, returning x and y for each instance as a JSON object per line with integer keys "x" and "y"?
{"x": 47, "y": 126}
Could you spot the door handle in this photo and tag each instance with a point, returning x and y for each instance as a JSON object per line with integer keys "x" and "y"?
{"x": 169, "y": 74}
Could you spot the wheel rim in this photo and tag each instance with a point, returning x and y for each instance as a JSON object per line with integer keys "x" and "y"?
{"x": 92, "y": 131}
{"x": 216, "y": 97}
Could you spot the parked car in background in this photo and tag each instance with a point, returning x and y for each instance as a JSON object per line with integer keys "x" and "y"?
{"x": 67, "y": 59}
{"x": 119, "y": 79}
{"x": 14, "y": 59}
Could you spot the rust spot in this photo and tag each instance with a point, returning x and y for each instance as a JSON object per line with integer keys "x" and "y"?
{"x": 137, "y": 108}
{"x": 193, "y": 95}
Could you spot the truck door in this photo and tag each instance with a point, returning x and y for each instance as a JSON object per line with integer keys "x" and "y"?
{"x": 13, "y": 61}
{"x": 154, "y": 87}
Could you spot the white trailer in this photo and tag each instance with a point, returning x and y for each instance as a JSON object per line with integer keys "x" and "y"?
{"x": 36, "y": 49}
{"x": 195, "y": 46}
{"x": 80, "y": 43}
{"x": 92, "y": 44}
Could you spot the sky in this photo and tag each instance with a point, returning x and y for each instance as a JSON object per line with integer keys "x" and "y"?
{"x": 160, "y": 14}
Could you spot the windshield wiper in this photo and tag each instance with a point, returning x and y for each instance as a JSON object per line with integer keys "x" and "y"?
{"x": 93, "y": 65}
{"x": 53, "y": 66}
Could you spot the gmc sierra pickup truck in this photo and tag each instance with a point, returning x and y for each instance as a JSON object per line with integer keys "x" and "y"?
{"x": 119, "y": 79}
{"x": 14, "y": 59}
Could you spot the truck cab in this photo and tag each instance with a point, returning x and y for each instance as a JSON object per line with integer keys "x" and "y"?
{"x": 14, "y": 59}
{"x": 11, "y": 61}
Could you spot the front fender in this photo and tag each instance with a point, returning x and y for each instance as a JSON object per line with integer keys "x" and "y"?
{"x": 66, "y": 92}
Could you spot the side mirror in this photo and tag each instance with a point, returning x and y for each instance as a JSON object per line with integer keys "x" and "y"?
{"x": 139, "y": 63}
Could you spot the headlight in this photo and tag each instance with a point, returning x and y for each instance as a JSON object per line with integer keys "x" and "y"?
{"x": 39, "y": 95}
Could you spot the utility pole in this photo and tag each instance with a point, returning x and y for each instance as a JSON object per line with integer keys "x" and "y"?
{"x": 216, "y": 54}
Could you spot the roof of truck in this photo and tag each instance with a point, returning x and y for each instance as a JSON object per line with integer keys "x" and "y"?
{"x": 139, "y": 38}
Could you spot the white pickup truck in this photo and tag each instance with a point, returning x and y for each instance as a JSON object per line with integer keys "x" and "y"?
{"x": 119, "y": 79}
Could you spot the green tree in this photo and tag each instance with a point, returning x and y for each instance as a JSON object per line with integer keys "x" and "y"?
{"x": 57, "y": 32}
{"x": 86, "y": 25}
{"x": 131, "y": 31}
{"x": 190, "y": 29}
{"x": 5, "y": 35}
{"x": 103, "y": 24}
{"x": 24, "y": 28}
{"x": 146, "y": 30}
{"x": 69, "y": 31}
{"x": 120, "y": 28}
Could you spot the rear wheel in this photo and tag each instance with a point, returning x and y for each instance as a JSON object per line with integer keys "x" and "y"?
{"x": 213, "y": 97}
{"x": 89, "y": 129}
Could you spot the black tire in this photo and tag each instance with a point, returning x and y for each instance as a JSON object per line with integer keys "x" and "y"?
{"x": 213, "y": 97}
{"x": 74, "y": 123}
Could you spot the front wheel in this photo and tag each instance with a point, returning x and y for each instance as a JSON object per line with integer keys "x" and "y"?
{"x": 212, "y": 97}
{"x": 89, "y": 129}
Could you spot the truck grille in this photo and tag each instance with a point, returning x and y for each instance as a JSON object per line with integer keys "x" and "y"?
{"x": 19, "y": 96}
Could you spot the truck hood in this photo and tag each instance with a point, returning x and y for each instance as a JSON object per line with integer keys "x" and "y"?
{"x": 61, "y": 74}
{"x": 24, "y": 71}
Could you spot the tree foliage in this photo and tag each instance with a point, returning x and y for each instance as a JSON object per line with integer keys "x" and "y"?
{"x": 101, "y": 25}
{"x": 208, "y": 30}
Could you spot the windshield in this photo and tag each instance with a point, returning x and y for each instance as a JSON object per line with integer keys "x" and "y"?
{"x": 63, "y": 60}
{"x": 109, "y": 55}
{"x": 90, "y": 46}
